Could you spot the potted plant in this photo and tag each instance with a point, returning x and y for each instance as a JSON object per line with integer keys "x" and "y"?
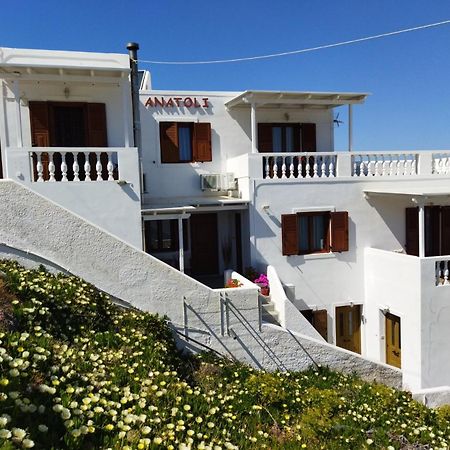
{"x": 233, "y": 283}
{"x": 263, "y": 282}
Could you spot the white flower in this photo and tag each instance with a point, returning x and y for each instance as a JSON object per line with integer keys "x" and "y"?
{"x": 5, "y": 434}
{"x": 27, "y": 443}
{"x": 43, "y": 428}
{"x": 19, "y": 433}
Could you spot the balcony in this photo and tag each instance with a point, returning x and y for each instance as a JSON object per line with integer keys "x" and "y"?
{"x": 72, "y": 164}
{"x": 330, "y": 165}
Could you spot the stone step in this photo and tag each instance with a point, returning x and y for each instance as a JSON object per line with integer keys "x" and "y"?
{"x": 270, "y": 317}
{"x": 269, "y": 307}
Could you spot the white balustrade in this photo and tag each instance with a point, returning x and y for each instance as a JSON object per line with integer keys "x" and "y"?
{"x": 384, "y": 164}
{"x": 442, "y": 272}
{"x": 299, "y": 165}
{"x": 441, "y": 163}
{"x": 58, "y": 165}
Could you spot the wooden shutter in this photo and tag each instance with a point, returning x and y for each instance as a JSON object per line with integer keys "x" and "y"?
{"x": 96, "y": 121}
{"x": 265, "y": 144}
{"x": 412, "y": 231}
{"x": 168, "y": 134}
{"x": 308, "y": 137}
{"x": 445, "y": 230}
{"x": 320, "y": 322}
{"x": 339, "y": 231}
{"x": 297, "y": 137}
{"x": 432, "y": 230}
{"x": 289, "y": 234}
{"x": 202, "y": 150}
{"x": 39, "y": 120}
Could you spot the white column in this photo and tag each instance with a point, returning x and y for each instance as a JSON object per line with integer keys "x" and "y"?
{"x": 254, "y": 128}
{"x": 18, "y": 114}
{"x": 421, "y": 229}
{"x": 181, "y": 244}
{"x": 350, "y": 128}
{"x": 125, "y": 112}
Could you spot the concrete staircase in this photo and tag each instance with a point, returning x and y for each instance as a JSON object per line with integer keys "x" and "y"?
{"x": 269, "y": 313}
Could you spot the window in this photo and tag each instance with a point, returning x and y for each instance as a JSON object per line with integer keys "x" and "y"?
{"x": 314, "y": 232}
{"x": 286, "y": 137}
{"x": 185, "y": 142}
{"x": 162, "y": 235}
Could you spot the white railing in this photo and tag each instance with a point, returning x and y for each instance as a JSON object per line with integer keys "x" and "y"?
{"x": 93, "y": 164}
{"x": 299, "y": 165}
{"x": 442, "y": 272}
{"x": 384, "y": 164}
{"x": 330, "y": 165}
{"x": 441, "y": 163}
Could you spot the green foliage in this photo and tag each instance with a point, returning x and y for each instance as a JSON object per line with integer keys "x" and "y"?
{"x": 77, "y": 372}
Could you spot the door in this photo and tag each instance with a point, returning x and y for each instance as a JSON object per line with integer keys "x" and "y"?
{"x": 393, "y": 341}
{"x": 204, "y": 244}
{"x": 348, "y": 328}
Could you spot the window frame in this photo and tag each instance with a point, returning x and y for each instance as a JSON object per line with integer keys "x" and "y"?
{"x": 198, "y": 142}
{"x": 310, "y": 216}
{"x": 175, "y": 247}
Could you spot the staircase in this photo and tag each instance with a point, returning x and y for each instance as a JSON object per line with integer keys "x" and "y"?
{"x": 269, "y": 313}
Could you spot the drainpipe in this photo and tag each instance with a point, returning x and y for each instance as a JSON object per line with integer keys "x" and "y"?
{"x": 132, "y": 48}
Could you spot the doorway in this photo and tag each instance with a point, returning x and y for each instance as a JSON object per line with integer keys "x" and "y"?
{"x": 393, "y": 341}
{"x": 348, "y": 327}
{"x": 204, "y": 244}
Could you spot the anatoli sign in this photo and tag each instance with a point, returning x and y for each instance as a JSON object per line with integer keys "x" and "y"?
{"x": 172, "y": 102}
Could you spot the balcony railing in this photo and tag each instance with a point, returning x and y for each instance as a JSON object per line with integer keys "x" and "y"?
{"x": 60, "y": 165}
{"x": 72, "y": 164}
{"x": 329, "y": 165}
{"x": 304, "y": 165}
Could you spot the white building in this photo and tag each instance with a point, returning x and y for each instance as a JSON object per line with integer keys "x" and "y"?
{"x": 358, "y": 240}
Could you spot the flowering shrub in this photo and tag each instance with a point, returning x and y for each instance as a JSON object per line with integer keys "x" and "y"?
{"x": 77, "y": 372}
{"x": 233, "y": 283}
{"x": 262, "y": 280}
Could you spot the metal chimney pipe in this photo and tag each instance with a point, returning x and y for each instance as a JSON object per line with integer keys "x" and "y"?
{"x": 132, "y": 48}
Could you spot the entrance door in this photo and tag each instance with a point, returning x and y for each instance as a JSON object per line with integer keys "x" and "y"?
{"x": 393, "y": 341}
{"x": 348, "y": 328}
{"x": 204, "y": 244}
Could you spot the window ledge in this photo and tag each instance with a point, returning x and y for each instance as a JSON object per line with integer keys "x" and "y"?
{"x": 327, "y": 255}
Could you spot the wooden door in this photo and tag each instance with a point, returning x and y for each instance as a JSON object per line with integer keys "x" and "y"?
{"x": 393, "y": 341}
{"x": 204, "y": 244}
{"x": 348, "y": 328}
{"x": 320, "y": 322}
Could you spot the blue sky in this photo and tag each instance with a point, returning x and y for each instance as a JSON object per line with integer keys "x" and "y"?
{"x": 408, "y": 75}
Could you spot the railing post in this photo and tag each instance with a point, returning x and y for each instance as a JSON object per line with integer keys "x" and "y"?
{"x": 344, "y": 164}
{"x": 425, "y": 163}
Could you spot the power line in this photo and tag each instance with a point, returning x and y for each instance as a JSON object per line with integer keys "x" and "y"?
{"x": 296, "y": 52}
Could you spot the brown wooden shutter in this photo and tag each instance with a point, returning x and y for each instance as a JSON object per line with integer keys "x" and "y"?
{"x": 168, "y": 134}
{"x": 412, "y": 231}
{"x": 445, "y": 230}
{"x": 265, "y": 144}
{"x": 96, "y": 120}
{"x": 339, "y": 231}
{"x": 320, "y": 322}
{"x": 202, "y": 150}
{"x": 39, "y": 120}
{"x": 289, "y": 234}
{"x": 308, "y": 137}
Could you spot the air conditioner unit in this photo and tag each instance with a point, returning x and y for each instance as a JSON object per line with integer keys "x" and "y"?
{"x": 211, "y": 182}
{"x": 217, "y": 182}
